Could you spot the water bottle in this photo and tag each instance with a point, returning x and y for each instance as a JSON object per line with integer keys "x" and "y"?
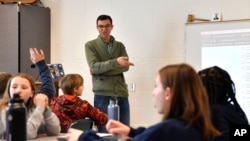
{"x": 113, "y": 109}
{"x": 16, "y": 119}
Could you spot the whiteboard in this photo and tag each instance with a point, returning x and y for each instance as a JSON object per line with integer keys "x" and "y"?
{"x": 225, "y": 44}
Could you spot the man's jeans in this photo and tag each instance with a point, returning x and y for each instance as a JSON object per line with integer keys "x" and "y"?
{"x": 102, "y": 103}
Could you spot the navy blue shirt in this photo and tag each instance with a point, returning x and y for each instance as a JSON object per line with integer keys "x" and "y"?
{"x": 47, "y": 86}
{"x": 168, "y": 130}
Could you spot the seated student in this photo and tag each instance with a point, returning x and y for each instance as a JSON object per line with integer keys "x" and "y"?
{"x": 4, "y": 77}
{"x": 38, "y": 59}
{"x": 225, "y": 109}
{"x": 40, "y": 119}
{"x": 69, "y": 107}
{"x": 182, "y": 100}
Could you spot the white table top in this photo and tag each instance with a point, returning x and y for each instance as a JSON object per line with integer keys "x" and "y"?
{"x": 44, "y": 137}
{"x": 47, "y": 138}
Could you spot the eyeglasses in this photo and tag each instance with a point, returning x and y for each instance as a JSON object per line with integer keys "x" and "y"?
{"x": 104, "y": 26}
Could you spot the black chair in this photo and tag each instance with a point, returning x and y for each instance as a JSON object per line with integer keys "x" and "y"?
{"x": 81, "y": 124}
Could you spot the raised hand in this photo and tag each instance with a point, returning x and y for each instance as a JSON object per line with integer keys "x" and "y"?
{"x": 35, "y": 55}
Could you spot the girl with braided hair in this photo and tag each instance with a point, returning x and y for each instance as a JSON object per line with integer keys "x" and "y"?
{"x": 225, "y": 109}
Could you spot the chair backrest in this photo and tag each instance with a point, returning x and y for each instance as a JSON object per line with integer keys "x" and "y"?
{"x": 81, "y": 124}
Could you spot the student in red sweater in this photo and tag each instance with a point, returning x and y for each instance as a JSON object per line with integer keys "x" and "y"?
{"x": 69, "y": 107}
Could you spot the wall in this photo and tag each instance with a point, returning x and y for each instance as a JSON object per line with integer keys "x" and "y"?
{"x": 153, "y": 32}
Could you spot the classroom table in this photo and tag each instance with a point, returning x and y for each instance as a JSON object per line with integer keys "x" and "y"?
{"x": 44, "y": 137}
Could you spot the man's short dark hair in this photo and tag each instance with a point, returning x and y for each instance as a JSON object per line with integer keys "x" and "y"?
{"x": 103, "y": 17}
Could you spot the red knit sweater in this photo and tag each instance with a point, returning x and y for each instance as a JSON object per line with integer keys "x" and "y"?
{"x": 70, "y": 107}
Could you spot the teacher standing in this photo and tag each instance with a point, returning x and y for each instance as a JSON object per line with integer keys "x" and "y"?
{"x": 108, "y": 60}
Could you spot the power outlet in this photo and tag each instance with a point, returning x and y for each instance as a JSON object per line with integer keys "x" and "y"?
{"x": 132, "y": 87}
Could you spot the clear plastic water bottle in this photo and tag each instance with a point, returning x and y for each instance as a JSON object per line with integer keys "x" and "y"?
{"x": 113, "y": 109}
{"x": 16, "y": 119}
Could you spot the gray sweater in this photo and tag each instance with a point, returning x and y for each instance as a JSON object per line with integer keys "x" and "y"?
{"x": 39, "y": 122}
